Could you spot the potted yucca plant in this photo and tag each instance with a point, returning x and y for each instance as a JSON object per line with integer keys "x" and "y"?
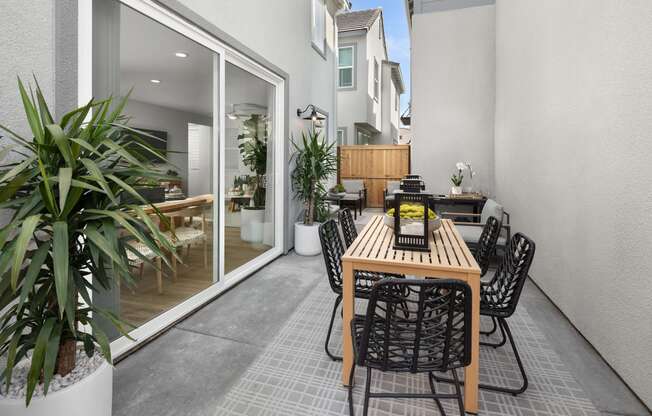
{"x": 315, "y": 162}
{"x": 66, "y": 238}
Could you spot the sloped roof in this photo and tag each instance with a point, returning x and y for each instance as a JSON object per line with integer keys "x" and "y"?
{"x": 357, "y": 20}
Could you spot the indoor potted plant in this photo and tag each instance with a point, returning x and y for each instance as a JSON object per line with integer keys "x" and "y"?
{"x": 65, "y": 237}
{"x": 457, "y": 179}
{"x": 253, "y": 150}
{"x": 315, "y": 162}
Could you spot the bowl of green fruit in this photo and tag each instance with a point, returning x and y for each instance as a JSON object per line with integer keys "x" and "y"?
{"x": 412, "y": 218}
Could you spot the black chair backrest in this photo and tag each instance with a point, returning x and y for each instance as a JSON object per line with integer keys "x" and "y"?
{"x": 507, "y": 284}
{"x": 487, "y": 243}
{"x": 348, "y": 226}
{"x": 332, "y": 249}
{"x": 417, "y": 326}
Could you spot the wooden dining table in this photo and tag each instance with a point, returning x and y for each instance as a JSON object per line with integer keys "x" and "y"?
{"x": 449, "y": 257}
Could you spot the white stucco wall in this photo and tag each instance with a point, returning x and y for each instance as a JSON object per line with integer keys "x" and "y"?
{"x": 375, "y": 51}
{"x": 573, "y": 123}
{"x": 453, "y": 62}
{"x": 25, "y": 52}
{"x": 389, "y": 132}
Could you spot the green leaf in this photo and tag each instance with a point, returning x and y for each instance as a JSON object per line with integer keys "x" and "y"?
{"x": 33, "y": 271}
{"x": 13, "y": 172}
{"x": 105, "y": 246}
{"x": 46, "y": 116}
{"x": 8, "y": 191}
{"x": 5, "y": 151}
{"x": 26, "y": 231}
{"x": 51, "y": 352}
{"x": 38, "y": 357}
{"x": 65, "y": 180}
{"x": 60, "y": 260}
{"x": 97, "y": 176}
{"x": 46, "y": 189}
{"x": 62, "y": 143}
{"x": 11, "y": 357}
{"x": 102, "y": 340}
{"x": 33, "y": 118}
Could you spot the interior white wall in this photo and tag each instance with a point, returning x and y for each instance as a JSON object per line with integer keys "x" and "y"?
{"x": 453, "y": 73}
{"x": 572, "y": 149}
{"x": 175, "y": 123}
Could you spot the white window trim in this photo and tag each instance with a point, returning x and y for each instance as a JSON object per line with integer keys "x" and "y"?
{"x": 352, "y": 67}
{"x": 319, "y": 48}
{"x": 376, "y": 75}
{"x": 225, "y": 53}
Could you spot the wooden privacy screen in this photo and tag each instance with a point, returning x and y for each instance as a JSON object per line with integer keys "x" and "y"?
{"x": 375, "y": 164}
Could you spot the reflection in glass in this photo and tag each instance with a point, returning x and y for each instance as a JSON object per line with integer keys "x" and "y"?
{"x": 249, "y": 170}
{"x": 171, "y": 82}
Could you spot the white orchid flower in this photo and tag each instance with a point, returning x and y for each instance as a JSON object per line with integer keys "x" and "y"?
{"x": 460, "y": 166}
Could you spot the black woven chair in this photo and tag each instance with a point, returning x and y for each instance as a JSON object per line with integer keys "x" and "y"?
{"x": 332, "y": 250}
{"x": 487, "y": 244}
{"x": 414, "y": 326}
{"x": 499, "y": 299}
{"x": 348, "y": 226}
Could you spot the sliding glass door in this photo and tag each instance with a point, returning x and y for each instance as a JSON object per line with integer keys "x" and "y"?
{"x": 218, "y": 119}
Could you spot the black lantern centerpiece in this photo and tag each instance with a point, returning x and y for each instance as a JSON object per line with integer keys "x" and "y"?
{"x": 412, "y": 216}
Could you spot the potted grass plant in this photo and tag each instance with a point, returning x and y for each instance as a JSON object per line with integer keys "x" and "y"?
{"x": 252, "y": 143}
{"x": 315, "y": 162}
{"x": 65, "y": 237}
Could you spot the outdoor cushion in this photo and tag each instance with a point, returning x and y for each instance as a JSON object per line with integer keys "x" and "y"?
{"x": 491, "y": 209}
{"x": 393, "y": 186}
{"x": 353, "y": 186}
{"x": 471, "y": 234}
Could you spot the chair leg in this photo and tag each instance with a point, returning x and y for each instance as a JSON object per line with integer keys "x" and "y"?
{"x": 205, "y": 254}
{"x": 159, "y": 276}
{"x": 174, "y": 264}
{"x": 350, "y": 388}
{"x": 502, "y": 341}
{"x": 330, "y": 330}
{"x": 367, "y": 391}
{"x": 431, "y": 380}
{"x": 493, "y": 328}
{"x": 458, "y": 392}
{"x": 503, "y": 323}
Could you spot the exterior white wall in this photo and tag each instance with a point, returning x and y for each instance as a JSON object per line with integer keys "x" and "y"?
{"x": 453, "y": 78}
{"x": 352, "y": 102}
{"x": 390, "y": 115}
{"x": 573, "y": 123}
{"x": 375, "y": 50}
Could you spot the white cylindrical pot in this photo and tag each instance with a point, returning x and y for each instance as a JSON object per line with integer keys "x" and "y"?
{"x": 251, "y": 225}
{"x": 456, "y": 190}
{"x": 306, "y": 239}
{"x": 91, "y": 396}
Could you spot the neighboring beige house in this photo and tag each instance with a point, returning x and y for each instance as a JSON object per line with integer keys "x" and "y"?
{"x": 369, "y": 85}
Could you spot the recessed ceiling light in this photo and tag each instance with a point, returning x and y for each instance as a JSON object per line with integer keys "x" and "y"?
{"x": 155, "y": 81}
{"x": 181, "y": 54}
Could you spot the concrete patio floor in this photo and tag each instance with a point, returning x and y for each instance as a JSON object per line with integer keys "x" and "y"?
{"x": 191, "y": 367}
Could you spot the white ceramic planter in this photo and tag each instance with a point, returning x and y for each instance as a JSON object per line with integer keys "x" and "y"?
{"x": 251, "y": 225}
{"x": 456, "y": 190}
{"x": 306, "y": 239}
{"x": 91, "y": 396}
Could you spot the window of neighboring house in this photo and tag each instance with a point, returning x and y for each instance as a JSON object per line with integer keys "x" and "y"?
{"x": 345, "y": 67}
{"x": 376, "y": 79}
{"x": 362, "y": 137}
{"x": 341, "y": 136}
{"x": 318, "y": 26}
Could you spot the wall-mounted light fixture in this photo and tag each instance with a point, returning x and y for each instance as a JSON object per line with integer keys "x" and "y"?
{"x": 313, "y": 115}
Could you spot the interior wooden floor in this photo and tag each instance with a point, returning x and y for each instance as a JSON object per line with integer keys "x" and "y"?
{"x": 142, "y": 303}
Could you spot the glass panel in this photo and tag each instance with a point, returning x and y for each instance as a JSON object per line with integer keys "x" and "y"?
{"x": 346, "y": 77}
{"x": 249, "y": 169}
{"x": 172, "y": 98}
{"x": 346, "y": 57}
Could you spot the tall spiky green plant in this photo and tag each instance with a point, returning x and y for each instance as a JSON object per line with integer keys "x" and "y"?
{"x": 68, "y": 231}
{"x": 253, "y": 149}
{"x": 315, "y": 161}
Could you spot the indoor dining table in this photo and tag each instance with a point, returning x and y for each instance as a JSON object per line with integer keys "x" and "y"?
{"x": 449, "y": 257}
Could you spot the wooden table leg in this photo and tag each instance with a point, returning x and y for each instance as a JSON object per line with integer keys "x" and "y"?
{"x": 471, "y": 373}
{"x": 348, "y": 309}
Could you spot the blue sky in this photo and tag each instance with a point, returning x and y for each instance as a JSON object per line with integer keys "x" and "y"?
{"x": 397, "y": 35}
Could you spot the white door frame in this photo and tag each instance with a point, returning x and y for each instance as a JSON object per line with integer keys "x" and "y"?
{"x": 224, "y": 53}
